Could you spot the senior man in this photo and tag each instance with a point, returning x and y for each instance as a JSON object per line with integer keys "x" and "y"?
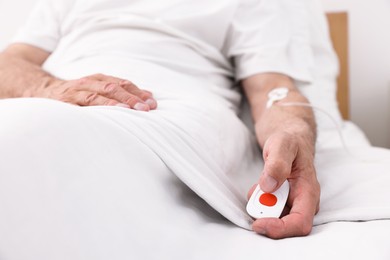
{"x": 90, "y": 53}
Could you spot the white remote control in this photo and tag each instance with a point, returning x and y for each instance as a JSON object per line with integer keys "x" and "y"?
{"x": 268, "y": 205}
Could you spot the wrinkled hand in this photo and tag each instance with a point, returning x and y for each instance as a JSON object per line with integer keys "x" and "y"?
{"x": 99, "y": 90}
{"x": 291, "y": 157}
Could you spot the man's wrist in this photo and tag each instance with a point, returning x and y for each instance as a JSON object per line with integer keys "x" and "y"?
{"x": 45, "y": 82}
{"x": 303, "y": 133}
{"x": 297, "y": 128}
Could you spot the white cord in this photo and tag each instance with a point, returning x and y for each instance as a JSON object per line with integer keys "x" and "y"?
{"x": 280, "y": 93}
{"x": 345, "y": 146}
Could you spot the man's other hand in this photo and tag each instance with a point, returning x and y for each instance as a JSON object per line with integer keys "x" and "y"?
{"x": 98, "y": 90}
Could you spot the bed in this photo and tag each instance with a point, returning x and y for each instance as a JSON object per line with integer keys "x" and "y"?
{"x": 81, "y": 207}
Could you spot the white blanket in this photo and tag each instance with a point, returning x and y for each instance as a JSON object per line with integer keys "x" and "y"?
{"x": 186, "y": 136}
{"x": 105, "y": 183}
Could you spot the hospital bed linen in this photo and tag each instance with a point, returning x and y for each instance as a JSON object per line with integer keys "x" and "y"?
{"x": 123, "y": 199}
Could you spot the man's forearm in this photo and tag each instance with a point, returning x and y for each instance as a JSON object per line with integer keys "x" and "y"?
{"x": 287, "y": 136}
{"x": 19, "y": 77}
{"x": 295, "y": 120}
{"x": 20, "y": 70}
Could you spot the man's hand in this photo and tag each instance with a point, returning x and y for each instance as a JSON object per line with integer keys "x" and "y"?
{"x": 288, "y": 156}
{"x": 287, "y": 137}
{"x": 97, "y": 90}
{"x": 22, "y": 76}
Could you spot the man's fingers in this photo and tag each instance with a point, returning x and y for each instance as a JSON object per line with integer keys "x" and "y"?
{"x": 292, "y": 225}
{"x": 88, "y": 90}
{"x": 276, "y": 171}
{"x": 144, "y": 97}
{"x": 117, "y": 92}
{"x": 298, "y": 222}
{"x": 87, "y": 98}
{"x": 279, "y": 156}
{"x": 93, "y": 98}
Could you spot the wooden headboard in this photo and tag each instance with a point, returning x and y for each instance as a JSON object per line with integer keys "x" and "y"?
{"x": 338, "y": 25}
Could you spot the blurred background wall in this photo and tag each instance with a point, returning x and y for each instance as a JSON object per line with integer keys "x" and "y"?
{"x": 369, "y": 25}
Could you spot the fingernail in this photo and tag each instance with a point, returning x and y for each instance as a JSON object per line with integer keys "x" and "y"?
{"x": 141, "y": 107}
{"x": 269, "y": 184}
{"x": 122, "y": 105}
{"x": 151, "y": 102}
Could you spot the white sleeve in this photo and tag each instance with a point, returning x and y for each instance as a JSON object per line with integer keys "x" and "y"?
{"x": 271, "y": 36}
{"x": 43, "y": 26}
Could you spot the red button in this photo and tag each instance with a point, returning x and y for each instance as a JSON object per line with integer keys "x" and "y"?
{"x": 268, "y": 199}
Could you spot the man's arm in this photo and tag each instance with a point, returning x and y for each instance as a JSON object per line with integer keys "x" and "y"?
{"x": 20, "y": 67}
{"x": 287, "y": 136}
{"x": 22, "y": 76}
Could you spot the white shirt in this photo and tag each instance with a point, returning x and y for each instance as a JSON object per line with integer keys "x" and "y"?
{"x": 184, "y": 42}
